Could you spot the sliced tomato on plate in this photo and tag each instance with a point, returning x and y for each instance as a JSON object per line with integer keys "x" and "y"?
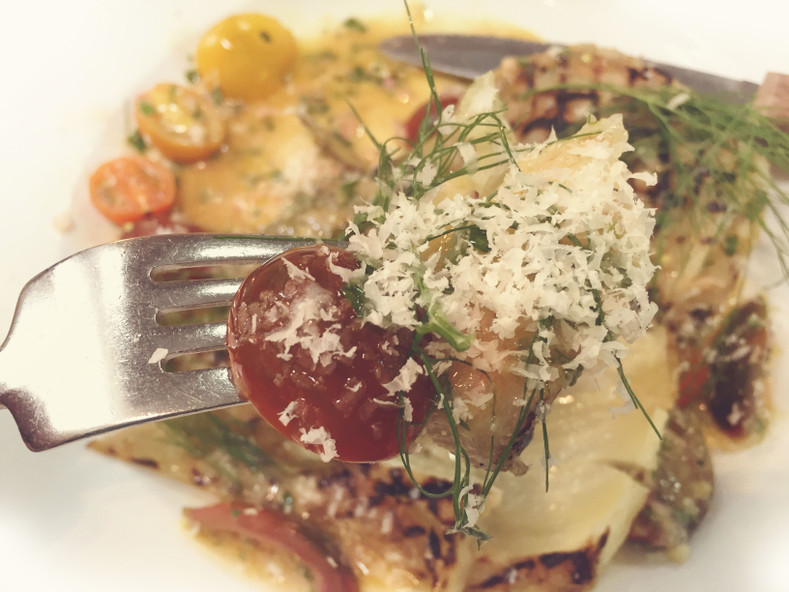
{"x": 271, "y": 527}
{"x": 127, "y": 188}
{"x": 419, "y": 114}
{"x": 184, "y": 125}
{"x": 159, "y": 223}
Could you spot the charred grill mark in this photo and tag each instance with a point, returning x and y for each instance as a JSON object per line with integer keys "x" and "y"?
{"x": 584, "y": 562}
{"x": 344, "y": 478}
{"x": 398, "y": 486}
{"x": 146, "y": 462}
{"x": 716, "y": 207}
{"x": 435, "y": 544}
{"x": 738, "y": 360}
{"x": 414, "y": 530}
{"x": 541, "y": 124}
{"x": 507, "y": 576}
{"x": 637, "y": 75}
{"x": 399, "y": 489}
{"x": 578, "y": 567}
{"x": 681, "y": 487}
{"x": 528, "y": 564}
{"x": 442, "y": 554}
{"x": 436, "y": 486}
{"x": 583, "y": 570}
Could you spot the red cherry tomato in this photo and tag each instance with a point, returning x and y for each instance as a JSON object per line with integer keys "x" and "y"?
{"x": 416, "y": 118}
{"x": 159, "y": 223}
{"x": 309, "y": 365}
{"x": 270, "y": 527}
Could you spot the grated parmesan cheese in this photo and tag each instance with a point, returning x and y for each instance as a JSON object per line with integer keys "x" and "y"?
{"x": 287, "y": 415}
{"x": 322, "y": 344}
{"x": 567, "y": 258}
{"x": 320, "y": 437}
{"x": 158, "y": 355}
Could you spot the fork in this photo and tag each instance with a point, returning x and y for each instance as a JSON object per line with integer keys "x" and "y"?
{"x": 88, "y": 351}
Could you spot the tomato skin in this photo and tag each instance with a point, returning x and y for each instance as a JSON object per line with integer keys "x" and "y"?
{"x": 159, "y": 223}
{"x": 184, "y": 125}
{"x": 127, "y": 188}
{"x": 418, "y": 115}
{"x": 248, "y": 55}
{"x": 274, "y": 528}
{"x": 297, "y": 393}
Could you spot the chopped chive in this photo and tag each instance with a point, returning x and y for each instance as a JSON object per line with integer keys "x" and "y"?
{"x": 146, "y": 108}
{"x": 354, "y": 24}
{"x": 137, "y": 142}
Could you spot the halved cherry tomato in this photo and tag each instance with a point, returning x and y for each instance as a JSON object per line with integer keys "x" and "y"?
{"x": 274, "y": 528}
{"x": 418, "y": 115}
{"x": 694, "y": 380}
{"x": 184, "y": 125}
{"x": 127, "y": 188}
{"x": 159, "y": 223}
{"x": 310, "y": 366}
{"x": 248, "y": 55}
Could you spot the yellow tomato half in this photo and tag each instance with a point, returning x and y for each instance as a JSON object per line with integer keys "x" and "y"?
{"x": 248, "y": 55}
{"x": 184, "y": 125}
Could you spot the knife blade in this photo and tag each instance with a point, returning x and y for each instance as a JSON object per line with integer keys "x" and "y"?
{"x": 469, "y": 56}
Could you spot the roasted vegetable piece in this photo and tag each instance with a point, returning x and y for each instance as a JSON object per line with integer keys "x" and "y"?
{"x": 737, "y": 360}
{"x": 681, "y": 487}
{"x": 709, "y": 198}
{"x": 274, "y": 528}
{"x": 319, "y": 375}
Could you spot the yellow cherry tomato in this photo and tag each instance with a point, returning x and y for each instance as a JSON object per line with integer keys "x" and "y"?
{"x": 248, "y": 55}
{"x": 184, "y": 125}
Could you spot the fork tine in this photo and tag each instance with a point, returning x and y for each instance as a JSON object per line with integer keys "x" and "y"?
{"x": 194, "y": 389}
{"x": 198, "y": 249}
{"x": 190, "y": 338}
{"x": 190, "y": 294}
{"x": 104, "y": 303}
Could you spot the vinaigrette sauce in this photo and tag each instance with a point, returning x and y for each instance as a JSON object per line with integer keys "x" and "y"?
{"x": 295, "y": 162}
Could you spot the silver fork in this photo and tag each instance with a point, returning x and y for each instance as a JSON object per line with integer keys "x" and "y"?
{"x": 87, "y": 351}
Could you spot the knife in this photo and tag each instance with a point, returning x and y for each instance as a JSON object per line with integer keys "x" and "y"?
{"x": 469, "y": 56}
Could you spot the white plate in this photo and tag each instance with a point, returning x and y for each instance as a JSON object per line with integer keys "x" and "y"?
{"x": 70, "y": 519}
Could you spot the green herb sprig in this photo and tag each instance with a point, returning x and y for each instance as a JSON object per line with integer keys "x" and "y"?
{"x": 436, "y": 146}
{"x": 710, "y": 144}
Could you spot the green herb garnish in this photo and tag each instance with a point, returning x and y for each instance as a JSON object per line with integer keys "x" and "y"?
{"x": 146, "y": 108}
{"x": 137, "y": 142}
{"x": 715, "y": 157}
{"x": 192, "y": 76}
{"x": 355, "y": 24}
{"x": 217, "y": 95}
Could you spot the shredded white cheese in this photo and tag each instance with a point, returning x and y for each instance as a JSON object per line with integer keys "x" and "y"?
{"x": 158, "y": 355}
{"x": 320, "y": 437}
{"x": 287, "y": 415}
{"x": 322, "y": 343}
{"x": 405, "y": 378}
{"x": 566, "y": 259}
